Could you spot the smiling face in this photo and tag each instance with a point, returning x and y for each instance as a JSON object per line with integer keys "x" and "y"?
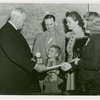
{"x": 71, "y": 23}
{"x": 50, "y": 24}
{"x": 52, "y": 53}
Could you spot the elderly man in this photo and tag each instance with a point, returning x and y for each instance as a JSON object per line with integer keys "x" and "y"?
{"x": 16, "y": 65}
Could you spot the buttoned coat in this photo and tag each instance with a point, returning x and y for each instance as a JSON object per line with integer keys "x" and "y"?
{"x": 15, "y": 60}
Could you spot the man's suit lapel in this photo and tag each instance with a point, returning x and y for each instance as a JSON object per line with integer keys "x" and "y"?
{"x": 19, "y": 39}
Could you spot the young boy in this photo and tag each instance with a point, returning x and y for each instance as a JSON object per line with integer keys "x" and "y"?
{"x": 52, "y": 82}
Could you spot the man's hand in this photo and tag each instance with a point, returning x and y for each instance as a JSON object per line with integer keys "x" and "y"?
{"x": 40, "y": 67}
{"x": 66, "y": 66}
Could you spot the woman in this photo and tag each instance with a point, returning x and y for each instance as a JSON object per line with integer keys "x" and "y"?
{"x": 76, "y": 25}
{"x": 89, "y": 64}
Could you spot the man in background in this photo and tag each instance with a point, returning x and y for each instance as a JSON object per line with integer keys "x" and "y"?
{"x": 52, "y": 36}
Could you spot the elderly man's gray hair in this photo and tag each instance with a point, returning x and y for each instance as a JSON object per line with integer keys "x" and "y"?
{"x": 17, "y": 11}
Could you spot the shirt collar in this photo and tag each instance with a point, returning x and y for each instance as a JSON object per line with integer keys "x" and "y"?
{"x": 12, "y": 24}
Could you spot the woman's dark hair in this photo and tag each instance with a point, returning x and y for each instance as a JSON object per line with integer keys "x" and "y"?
{"x": 67, "y": 14}
{"x": 76, "y": 17}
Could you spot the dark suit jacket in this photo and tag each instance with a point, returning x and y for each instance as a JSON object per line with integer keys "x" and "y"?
{"x": 15, "y": 60}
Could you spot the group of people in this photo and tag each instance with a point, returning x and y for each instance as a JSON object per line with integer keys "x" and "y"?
{"x": 84, "y": 62}
{"x": 77, "y": 53}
